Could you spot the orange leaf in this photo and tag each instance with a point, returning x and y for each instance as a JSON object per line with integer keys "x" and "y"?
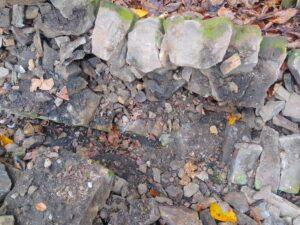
{"x": 232, "y": 118}
{"x": 41, "y": 207}
{"x": 219, "y": 213}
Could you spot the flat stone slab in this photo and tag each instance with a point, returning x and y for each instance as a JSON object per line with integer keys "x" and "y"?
{"x": 294, "y": 64}
{"x": 290, "y": 163}
{"x": 268, "y": 171}
{"x": 292, "y": 107}
{"x": 5, "y": 182}
{"x": 69, "y": 191}
{"x": 244, "y": 161}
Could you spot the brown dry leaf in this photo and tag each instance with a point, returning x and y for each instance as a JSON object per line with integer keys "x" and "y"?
{"x": 42, "y": 84}
{"x": 41, "y": 207}
{"x": 47, "y": 84}
{"x": 226, "y": 12}
{"x": 31, "y": 155}
{"x": 114, "y": 135}
{"x": 283, "y": 16}
{"x": 190, "y": 169}
{"x": 63, "y": 94}
{"x": 35, "y": 84}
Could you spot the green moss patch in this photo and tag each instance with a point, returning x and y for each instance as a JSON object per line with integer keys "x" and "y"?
{"x": 273, "y": 44}
{"x": 215, "y": 27}
{"x": 124, "y": 13}
{"x": 243, "y": 32}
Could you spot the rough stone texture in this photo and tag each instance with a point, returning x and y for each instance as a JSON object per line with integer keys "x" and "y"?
{"x": 199, "y": 84}
{"x": 285, "y": 207}
{"x": 67, "y": 8}
{"x": 285, "y": 123}
{"x": 290, "y": 163}
{"x": 4, "y": 17}
{"x": 246, "y": 42}
{"x": 143, "y": 45}
{"x": 143, "y": 212}
{"x": 292, "y": 107}
{"x": 244, "y": 161}
{"x": 18, "y": 16}
{"x": 190, "y": 189}
{"x": 79, "y": 110}
{"x": 111, "y": 27}
{"x": 268, "y": 171}
{"x": 206, "y": 218}
{"x": 5, "y": 182}
{"x": 72, "y": 190}
{"x": 245, "y": 220}
{"x": 7, "y": 220}
{"x": 238, "y": 201}
{"x": 183, "y": 45}
{"x": 294, "y": 64}
{"x": 179, "y": 216}
{"x": 271, "y": 109}
{"x": 53, "y": 24}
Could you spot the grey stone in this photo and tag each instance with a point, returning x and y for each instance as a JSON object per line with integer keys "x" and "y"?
{"x": 245, "y": 220}
{"x": 271, "y": 109}
{"x": 179, "y": 216}
{"x": 74, "y": 198}
{"x": 111, "y": 27}
{"x": 285, "y": 207}
{"x": 79, "y": 110}
{"x": 268, "y": 171}
{"x": 143, "y": 45}
{"x": 245, "y": 41}
{"x": 50, "y": 56}
{"x": 76, "y": 84}
{"x": 190, "y": 189}
{"x": 31, "y": 12}
{"x": 53, "y": 24}
{"x": 292, "y": 107}
{"x": 18, "y": 16}
{"x": 7, "y": 220}
{"x": 121, "y": 215}
{"x": 198, "y": 83}
{"x": 206, "y": 218}
{"x": 67, "y": 49}
{"x": 33, "y": 141}
{"x": 285, "y": 123}
{"x": 156, "y": 175}
{"x": 174, "y": 192}
{"x": 248, "y": 192}
{"x": 67, "y": 8}
{"x": 67, "y": 71}
{"x": 274, "y": 220}
{"x": 183, "y": 45}
{"x": 5, "y": 182}
{"x": 142, "y": 189}
{"x": 143, "y": 211}
{"x": 238, "y": 201}
{"x": 118, "y": 185}
{"x": 244, "y": 161}
{"x": 3, "y": 73}
{"x": 290, "y": 163}
{"x": 281, "y": 93}
{"x": 296, "y": 221}
{"x": 4, "y": 17}
{"x": 19, "y": 136}
{"x": 294, "y": 64}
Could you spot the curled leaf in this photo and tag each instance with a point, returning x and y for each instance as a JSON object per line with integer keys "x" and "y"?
{"x": 140, "y": 12}
{"x": 225, "y": 215}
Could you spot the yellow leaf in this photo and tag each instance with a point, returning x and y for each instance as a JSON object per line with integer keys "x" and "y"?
{"x": 232, "y": 118}
{"x": 218, "y": 213}
{"x": 5, "y": 140}
{"x": 140, "y": 12}
{"x": 213, "y": 130}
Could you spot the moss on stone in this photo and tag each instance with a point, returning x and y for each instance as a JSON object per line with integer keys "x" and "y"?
{"x": 258, "y": 184}
{"x": 241, "y": 179}
{"x": 172, "y": 21}
{"x": 215, "y": 27}
{"x": 288, "y": 3}
{"x": 124, "y": 13}
{"x": 242, "y": 32}
{"x": 273, "y": 44}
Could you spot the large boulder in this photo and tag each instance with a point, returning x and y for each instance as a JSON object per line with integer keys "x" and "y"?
{"x": 111, "y": 27}
{"x": 195, "y": 43}
{"x": 143, "y": 45}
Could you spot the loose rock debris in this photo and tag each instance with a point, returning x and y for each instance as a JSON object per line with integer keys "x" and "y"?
{"x": 201, "y": 116}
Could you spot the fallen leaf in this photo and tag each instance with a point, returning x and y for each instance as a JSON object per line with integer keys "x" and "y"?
{"x": 35, "y": 84}
{"x": 218, "y": 213}
{"x": 226, "y": 12}
{"x": 213, "y": 130}
{"x": 283, "y": 16}
{"x": 190, "y": 169}
{"x": 41, "y": 207}
{"x": 63, "y": 94}
{"x": 47, "y": 84}
{"x": 153, "y": 192}
{"x": 140, "y": 12}
{"x": 4, "y": 140}
{"x": 114, "y": 135}
{"x": 232, "y": 118}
